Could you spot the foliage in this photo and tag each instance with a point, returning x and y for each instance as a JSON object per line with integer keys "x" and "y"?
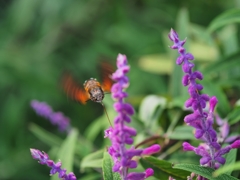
{"x": 42, "y": 39}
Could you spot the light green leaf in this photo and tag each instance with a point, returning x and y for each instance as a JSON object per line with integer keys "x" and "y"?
{"x": 93, "y": 160}
{"x": 107, "y": 165}
{"x": 230, "y": 159}
{"x": 150, "y": 110}
{"x": 66, "y": 152}
{"x": 213, "y": 90}
{"x": 203, "y": 171}
{"x": 234, "y": 116}
{"x": 227, "y": 168}
{"x": 45, "y": 136}
{"x": 182, "y": 133}
{"x": 228, "y": 17}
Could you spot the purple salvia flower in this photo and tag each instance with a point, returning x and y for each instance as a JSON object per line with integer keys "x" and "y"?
{"x": 201, "y": 119}
{"x": 55, "y": 167}
{"x": 121, "y": 135}
{"x": 56, "y": 118}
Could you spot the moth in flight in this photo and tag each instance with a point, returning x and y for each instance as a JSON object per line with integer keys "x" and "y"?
{"x": 92, "y": 89}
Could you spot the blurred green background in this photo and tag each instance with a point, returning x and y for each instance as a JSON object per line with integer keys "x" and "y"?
{"x": 40, "y": 39}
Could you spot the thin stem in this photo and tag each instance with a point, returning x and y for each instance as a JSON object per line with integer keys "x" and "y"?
{"x": 107, "y": 114}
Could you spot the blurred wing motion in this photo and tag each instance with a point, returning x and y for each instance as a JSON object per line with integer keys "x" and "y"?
{"x": 107, "y": 71}
{"x": 74, "y": 90}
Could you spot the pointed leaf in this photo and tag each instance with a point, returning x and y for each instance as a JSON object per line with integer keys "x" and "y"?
{"x": 182, "y": 133}
{"x": 151, "y": 109}
{"x": 227, "y": 168}
{"x": 163, "y": 169}
{"x": 228, "y": 17}
{"x": 66, "y": 152}
{"x": 234, "y": 116}
{"x": 45, "y": 136}
{"x": 230, "y": 159}
{"x": 107, "y": 165}
{"x": 203, "y": 171}
{"x": 93, "y": 160}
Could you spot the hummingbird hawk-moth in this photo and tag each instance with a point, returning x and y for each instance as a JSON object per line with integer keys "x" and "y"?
{"x": 91, "y": 89}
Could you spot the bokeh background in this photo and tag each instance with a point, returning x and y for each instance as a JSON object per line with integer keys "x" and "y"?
{"x": 41, "y": 39}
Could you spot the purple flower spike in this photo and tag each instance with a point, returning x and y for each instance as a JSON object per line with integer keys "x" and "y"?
{"x": 121, "y": 135}
{"x": 56, "y": 118}
{"x": 201, "y": 119}
{"x": 55, "y": 168}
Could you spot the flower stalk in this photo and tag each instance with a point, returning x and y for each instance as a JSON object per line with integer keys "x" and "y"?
{"x": 55, "y": 167}
{"x": 121, "y": 134}
{"x": 56, "y": 118}
{"x": 201, "y": 119}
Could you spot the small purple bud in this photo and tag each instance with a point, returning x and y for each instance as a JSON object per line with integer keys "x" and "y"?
{"x": 236, "y": 144}
{"x": 185, "y": 80}
{"x": 189, "y": 56}
{"x": 205, "y": 160}
{"x": 215, "y": 144}
{"x": 199, "y": 87}
{"x": 213, "y": 102}
{"x": 136, "y": 176}
{"x": 232, "y": 138}
{"x": 199, "y": 133}
{"x": 121, "y": 60}
{"x": 151, "y": 150}
{"x": 149, "y": 172}
{"x": 224, "y": 150}
{"x": 173, "y": 35}
{"x": 108, "y": 132}
{"x": 181, "y": 50}
{"x": 192, "y": 117}
{"x": 131, "y": 131}
{"x": 189, "y": 102}
{"x": 224, "y": 129}
{"x": 188, "y": 147}
{"x": 187, "y": 67}
{"x": 179, "y": 60}
{"x": 220, "y": 159}
{"x": 198, "y": 75}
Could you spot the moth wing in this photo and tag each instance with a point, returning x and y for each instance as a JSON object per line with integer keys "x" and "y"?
{"x": 74, "y": 90}
{"x": 106, "y": 71}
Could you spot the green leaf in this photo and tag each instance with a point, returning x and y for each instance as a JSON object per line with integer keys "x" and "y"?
{"x": 234, "y": 116}
{"x": 163, "y": 169}
{"x": 227, "y": 168}
{"x": 91, "y": 176}
{"x": 227, "y": 63}
{"x": 156, "y": 63}
{"x": 45, "y": 136}
{"x": 230, "y": 159}
{"x": 203, "y": 171}
{"x": 93, "y": 160}
{"x": 66, "y": 152}
{"x": 228, "y": 17}
{"x": 107, "y": 165}
{"x": 98, "y": 126}
{"x": 182, "y": 132}
{"x": 150, "y": 109}
{"x": 229, "y": 39}
{"x": 213, "y": 90}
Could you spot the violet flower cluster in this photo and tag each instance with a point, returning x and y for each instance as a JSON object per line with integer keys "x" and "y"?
{"x": 121, "y": 134}
{"x": 55, "y": 167}
{"x": 56, "y": 118}
{"x": 201, "y": 119}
